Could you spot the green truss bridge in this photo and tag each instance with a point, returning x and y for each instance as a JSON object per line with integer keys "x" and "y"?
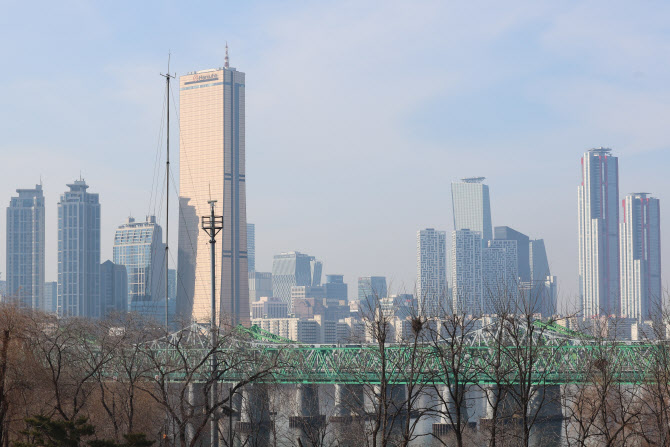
{"x": 543, "y": 354}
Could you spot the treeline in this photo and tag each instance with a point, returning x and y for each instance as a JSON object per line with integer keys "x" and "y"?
{"x": 123, "y": 382}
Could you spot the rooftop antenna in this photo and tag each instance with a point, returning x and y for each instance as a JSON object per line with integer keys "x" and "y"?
{"x": 226, "y": 64}
{"x": 167, "y": 77}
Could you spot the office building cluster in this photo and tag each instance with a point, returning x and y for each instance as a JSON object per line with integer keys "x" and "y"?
{"x": 490, "y": 267}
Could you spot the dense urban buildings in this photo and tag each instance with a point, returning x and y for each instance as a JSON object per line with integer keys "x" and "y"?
{"x": 269, "y": 307}
{"x": 140, "y": 248}
{"x": 466, "y": 272}
{"x": 472, "y": 207}
{"x": 79, "y": 252}
{"x": 431, "y": 271}
{"x": 113, "y": 289}
{"x": 640, "y": 231}
{"x": 251, "y": 247}
{"x": 212, "y": 167}
{"x": 598, "y": 214}
{"x": 25, "y": 248}
{"x": 293, "y": 269}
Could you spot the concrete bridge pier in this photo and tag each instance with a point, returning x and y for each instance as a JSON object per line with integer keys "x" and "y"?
{"x": 547, "y": 403}
{"x": 307, "y": 407}
{"x": 255, "y": 425}
{"x": 349, "y": 403}
{"x": 196, "y": 399}
{"x": 307, "y": 422}
{"x": 449, "y": 407}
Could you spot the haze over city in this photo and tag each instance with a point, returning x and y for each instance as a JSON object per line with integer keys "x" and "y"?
{"x": 358, "y": 116}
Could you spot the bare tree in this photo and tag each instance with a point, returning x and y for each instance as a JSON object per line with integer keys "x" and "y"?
{"x": 182, "y": 382}
{"x": 452, "y": 342}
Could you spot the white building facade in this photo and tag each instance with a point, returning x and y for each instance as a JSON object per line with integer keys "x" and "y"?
{"x": 466, "y": 272}
{"x": 431, "y": 248}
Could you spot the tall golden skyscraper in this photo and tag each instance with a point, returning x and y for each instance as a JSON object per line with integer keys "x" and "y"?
{"x": 211, "y": 162}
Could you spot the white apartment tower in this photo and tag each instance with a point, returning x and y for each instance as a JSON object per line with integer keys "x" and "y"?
{"x": 466, "y": 272}
{"x": 431, "y": 247}
{"x": 598, "y": 210}
{"x": 640, "y": 246}
{"x": 472, "y": 206}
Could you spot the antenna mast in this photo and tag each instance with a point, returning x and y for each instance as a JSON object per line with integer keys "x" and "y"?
{"x": 167, "y": 77}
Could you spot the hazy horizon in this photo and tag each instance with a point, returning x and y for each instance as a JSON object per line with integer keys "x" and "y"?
{"x": 359, "y": 116}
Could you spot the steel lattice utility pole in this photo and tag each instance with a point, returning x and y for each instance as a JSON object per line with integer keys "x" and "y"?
{"x": 212, "y": 225}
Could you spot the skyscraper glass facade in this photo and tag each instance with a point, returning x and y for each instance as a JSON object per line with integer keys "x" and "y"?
{"x": 472, "y": 206}
{"x": 212, "y": 167}
{"x": 25, "y": 248}
{"x": 139, "y": 247}
{"x": 641, "y": 292}
{"x": 290, "y": 270}
{"x": 598, "y": 216}
{"x": 251, "y": 247}
{"x": 371, "y": 289}
{"x": 79, "y": 252}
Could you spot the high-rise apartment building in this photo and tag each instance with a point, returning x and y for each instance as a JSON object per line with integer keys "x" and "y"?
{"x": 25, "y": 248}
{"x": 140, "y": 248}
{"x": 292, "y": 269}
{"x": 79, "y": 252}
{"x": 113, "y": 289}
{"x": 431, "y": 254}
{"x": 212, "y": 167}
{"x": 500, "y": 276}
{"x": 466, "y": 272}
{"x": 472, "y": 206}
{"x": 641, "y": 293}
{"x": 251, "y": 247}
{"x": 598, "y": 211}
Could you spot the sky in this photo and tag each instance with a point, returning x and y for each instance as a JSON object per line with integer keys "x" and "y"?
{"x": 359, "y": 115}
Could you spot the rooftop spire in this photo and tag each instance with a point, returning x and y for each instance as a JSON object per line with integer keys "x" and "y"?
{"x": 226, "y": 65}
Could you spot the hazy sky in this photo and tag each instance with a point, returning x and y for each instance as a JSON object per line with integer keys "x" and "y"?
{"x": 359, "y": 114}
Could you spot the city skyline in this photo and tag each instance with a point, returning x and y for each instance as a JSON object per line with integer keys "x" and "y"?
{"x": 611, "y": 78}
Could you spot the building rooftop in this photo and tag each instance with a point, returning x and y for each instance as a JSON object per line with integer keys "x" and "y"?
{"x": 473, "y": 179}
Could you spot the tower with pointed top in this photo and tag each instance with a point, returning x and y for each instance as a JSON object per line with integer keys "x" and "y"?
{"x": 212, "y": 167}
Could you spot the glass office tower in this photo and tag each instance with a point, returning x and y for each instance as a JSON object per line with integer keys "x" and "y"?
{"x": 212, "y": 167}
{"x": 472, "y": 206}
{"x": 598, "y": 211}
{"x": 140, "y": 248}
{"x": 25, "y": 248}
